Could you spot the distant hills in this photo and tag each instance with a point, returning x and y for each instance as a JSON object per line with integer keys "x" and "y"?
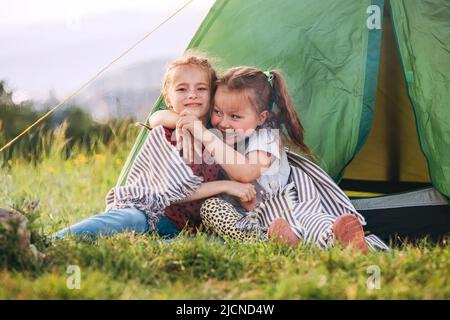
{"x": 128, "y": 92}
{"x": 49, "y": 60}
{"x": 131, "y": 91}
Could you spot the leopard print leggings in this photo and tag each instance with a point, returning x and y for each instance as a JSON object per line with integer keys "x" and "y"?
{"x": 221, "y": 217}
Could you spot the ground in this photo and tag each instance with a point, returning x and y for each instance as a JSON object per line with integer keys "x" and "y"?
{"x": 131, "y": 266}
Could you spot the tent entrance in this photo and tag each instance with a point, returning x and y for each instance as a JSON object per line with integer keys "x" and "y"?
{"x": 391, "y": 164}
{"x": 391, "y": 160}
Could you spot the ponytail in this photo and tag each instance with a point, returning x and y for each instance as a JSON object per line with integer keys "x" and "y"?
{"x": 286, "y": 114}
{"x": 268, "y": 90}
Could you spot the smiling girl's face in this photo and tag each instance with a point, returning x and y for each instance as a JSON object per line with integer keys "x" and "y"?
{"x": 234, "y": 114}
{"x": 189, "y": 88}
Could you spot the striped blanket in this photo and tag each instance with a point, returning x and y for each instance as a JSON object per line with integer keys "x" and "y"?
{"x": 160, "y": 177}
{"x": 157, "y": 178}
{"x": 310, "y": 203}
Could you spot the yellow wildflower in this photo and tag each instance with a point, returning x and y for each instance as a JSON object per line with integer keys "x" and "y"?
{"x": 99, "y": 157}
{"x": 81, "y": 158}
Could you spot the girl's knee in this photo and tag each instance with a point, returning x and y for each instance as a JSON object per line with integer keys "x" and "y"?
{"x": 138, "y": 217}
{"x": 207, "y": 209}
{"x": 120, "y": 220}
{"x": 210, "y": 203}
{"x": 206, "y": 217}
{"x": 137, "y": 220}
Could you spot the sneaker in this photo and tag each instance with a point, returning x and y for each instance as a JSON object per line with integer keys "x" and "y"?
{"x": 349, "y": 232}
{"x": 280, "y": 231}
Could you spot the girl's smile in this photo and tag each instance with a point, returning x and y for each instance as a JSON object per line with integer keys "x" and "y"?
{"x": 234, "y": 114}
{"x": 189, "y": 89}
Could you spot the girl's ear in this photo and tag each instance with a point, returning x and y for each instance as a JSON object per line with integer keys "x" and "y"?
{"x": 167, "y": 102}
{"x": 262, "y": 117}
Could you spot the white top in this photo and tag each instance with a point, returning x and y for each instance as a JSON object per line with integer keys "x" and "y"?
{"x": 273, "y": 178}
{"x": 277, "y": 175}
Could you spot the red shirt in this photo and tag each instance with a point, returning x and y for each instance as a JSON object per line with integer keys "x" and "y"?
{"x": 189, "y": 213}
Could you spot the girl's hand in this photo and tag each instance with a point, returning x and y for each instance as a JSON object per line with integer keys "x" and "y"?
{"x": 166, "y": 118}
{"x": 185, "y": 142}
{"x": 249, "y": 205}
{"x": 189, "y": 122}
{"x": 189, "y": 136}
{"x": 245, "y": 192}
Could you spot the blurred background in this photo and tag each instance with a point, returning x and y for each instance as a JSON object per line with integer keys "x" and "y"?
{"x": 50, "y": 48}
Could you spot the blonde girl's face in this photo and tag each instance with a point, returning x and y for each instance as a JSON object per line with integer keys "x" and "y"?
{"x": 189, "y": 88}
{"x": 234, "y": 115}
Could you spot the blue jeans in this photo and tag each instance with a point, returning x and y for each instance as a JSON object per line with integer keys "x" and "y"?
{"x": 116, "y": 221}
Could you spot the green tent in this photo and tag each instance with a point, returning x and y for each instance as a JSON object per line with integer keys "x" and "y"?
{"x": 392, "y": 130}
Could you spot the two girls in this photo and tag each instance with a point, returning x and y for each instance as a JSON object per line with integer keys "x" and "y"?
{"x": 162, "y": 193}
{"x": 253, "y": 109}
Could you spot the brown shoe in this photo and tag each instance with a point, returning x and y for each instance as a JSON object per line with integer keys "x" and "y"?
{"x": 348, "y": 231}
{"x": 280, "y": 231}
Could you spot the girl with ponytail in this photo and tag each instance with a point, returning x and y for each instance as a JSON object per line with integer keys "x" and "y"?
{"x": 254, "y": 117}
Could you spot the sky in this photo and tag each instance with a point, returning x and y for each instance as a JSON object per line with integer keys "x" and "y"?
{"x": 28, "y": 12}
{"x": 57, "y": 45}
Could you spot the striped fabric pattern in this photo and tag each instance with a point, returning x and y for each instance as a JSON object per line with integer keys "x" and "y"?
{"x": 310, "y": 203}
{"x": 157, "y": 178}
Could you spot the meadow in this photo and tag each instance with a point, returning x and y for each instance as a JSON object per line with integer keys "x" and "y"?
{"x": 72, "y": 185}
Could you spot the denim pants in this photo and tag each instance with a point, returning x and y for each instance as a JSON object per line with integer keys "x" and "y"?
{"x": 116, "y": 221}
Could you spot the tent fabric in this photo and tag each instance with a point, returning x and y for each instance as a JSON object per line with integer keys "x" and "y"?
{"x": 408, "y": 216}
{"x": 331, "y": 72}
{"x": 423, "y": 197}
{"x": 409, "y": 223}
{"x": 331, "y": 59}
{"x": 423, "y": 37}
{"x": 391, "y": 156}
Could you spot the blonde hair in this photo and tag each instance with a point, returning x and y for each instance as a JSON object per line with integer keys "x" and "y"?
{"x": 190, "y": 58}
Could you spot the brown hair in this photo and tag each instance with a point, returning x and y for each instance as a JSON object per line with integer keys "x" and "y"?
{"x": 264, "y": 95}
{"x": 190, "y": 58}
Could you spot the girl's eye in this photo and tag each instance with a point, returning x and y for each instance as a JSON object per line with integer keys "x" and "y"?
{"x": 235, "y": 117}
{"x": 202, "y": 89}
{"x": 217, "y": 112}
{"x": 181, "y": 89}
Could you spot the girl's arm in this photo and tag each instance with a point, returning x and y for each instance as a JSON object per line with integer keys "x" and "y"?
{"x": 168, "y": 119}
{"x": 239, "y": 167}
{"x": 245, "y": 192}
{"x": 165, "y": 118}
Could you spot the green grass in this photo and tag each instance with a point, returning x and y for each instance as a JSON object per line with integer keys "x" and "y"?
{"x": 130, "y": 266}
